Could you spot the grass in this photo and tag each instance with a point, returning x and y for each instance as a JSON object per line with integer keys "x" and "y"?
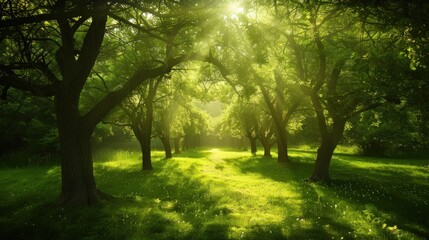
{"x": 224, "y": 194}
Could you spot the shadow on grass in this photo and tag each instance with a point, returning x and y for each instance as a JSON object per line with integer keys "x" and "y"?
{"x": 384, "y": 196}
{"x": 313, "y": 220}
{"x": 149, "y": 205}
{"x": 297, "y": 170}
{"x": 395, "y": 203}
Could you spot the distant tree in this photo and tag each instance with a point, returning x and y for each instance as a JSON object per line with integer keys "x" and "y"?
{"x": 169, "y": 114}
{"x": 386, "y": 130}
{"x": 250, "y": 66}
{"x": 241, "y": 119}
{"x": 194, "y": 125}
{"x": 139, "y": 111}
{"x": 281, "y": 104}
{"x": 266, "y": 133}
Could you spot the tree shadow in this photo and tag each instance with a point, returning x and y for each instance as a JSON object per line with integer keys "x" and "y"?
{"x": 298, "y": 220}
{"x": 395, "y": 202}
{"x": 392, "y": 203}
{"x": 297, "y": 170}
{"x": 156, "y": 204}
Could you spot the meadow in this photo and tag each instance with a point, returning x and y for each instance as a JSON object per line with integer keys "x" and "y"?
{"x": 224, "y": 194}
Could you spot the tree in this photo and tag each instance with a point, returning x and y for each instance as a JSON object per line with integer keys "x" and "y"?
{"x": 51, "y": 53}
{"x": 140, "y": 111}
{"x": 340, "y": 68}
{"x": 62, "y": 67}
{"x": 169, "y": 114}
{"x": 195, "y": 125}
{"x": 386, "y": 130}
{"x": 266, "y": 133}
{"x": 280, "y": 112}
{"x": 241, "y": 119}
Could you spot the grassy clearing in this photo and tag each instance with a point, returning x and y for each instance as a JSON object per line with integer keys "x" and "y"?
{"x": 219, "y": 194}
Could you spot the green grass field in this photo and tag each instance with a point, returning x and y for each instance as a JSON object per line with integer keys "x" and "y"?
{"x": 220, "y": 194}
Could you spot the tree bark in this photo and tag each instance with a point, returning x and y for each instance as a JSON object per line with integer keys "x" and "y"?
{"x": 280, "y": 123}
{"x": 330, "y": 140}
{"x": 282, "y": 153}
{"x": 267, "y": 147}
{"x": 267, "y": 151}
{"x": 323, "y": 161}
{"x": 253, "y": 148}
{"x": 145, "y": 146}
{"x": 78, "y": 186}
{"x": 167, "y": 146}
{"x": 177, "y": 145}
{"x": 145, "y": 142}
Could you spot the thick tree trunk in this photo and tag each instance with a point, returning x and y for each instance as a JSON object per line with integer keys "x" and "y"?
{"x": 323, "y": 161}
{"x": 145, "y": 142}
{"x": 253, "y": 148}
{"x": 330, "y": 140}
{"x": 167, "y": 147}
{"x": 267, "y": 150}
{"x": 145, "y": 146}
{"x": 78, "y": 186}
{"x": 267, "y": 146}
{"x": 177, "y": 145}
{"x": 282, "y": 153}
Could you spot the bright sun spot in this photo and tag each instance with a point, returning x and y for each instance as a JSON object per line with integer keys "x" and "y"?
{"x": 235, "y": 9}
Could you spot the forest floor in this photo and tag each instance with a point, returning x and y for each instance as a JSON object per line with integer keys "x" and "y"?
{"x": 222, "y": 194}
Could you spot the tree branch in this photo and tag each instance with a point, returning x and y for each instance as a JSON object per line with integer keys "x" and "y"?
{"x": 52, "y": 16}
{"x": 136, "y": 26}
{"x": 10, "y": 79}
{"x": 102, "y": 108}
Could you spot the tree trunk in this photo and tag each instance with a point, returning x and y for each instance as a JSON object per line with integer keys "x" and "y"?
{"x": 144, "y": 141}
{"x": 253, "y": 149}
{"x": 177, "y": 145}
{"x": 187, "y": 142}
{"x": 167, "y": 146}
{"x": 267, "y": 146}
{"x": 330, "y": 140}
{"x": 279, "y": 123}
{"x": 323, "y": 161}
{"x": 78, "y": 186}
{"x": 145, "y": 145}
{"x": 267, "y": 150}
{"x": 282, "y": 153}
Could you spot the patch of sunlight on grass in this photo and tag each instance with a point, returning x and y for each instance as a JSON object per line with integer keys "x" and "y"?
{"x": 340, "y": 149}
{"x": 217, "y": 154}
{"x": 304, "y": 147}
{"x": 121, "y": 159}
{"x": 344, "y": 149}
{"x": 53, "y": 171}
{"x": 246, "y": 200}
{"x": 302, "y": 156}
{"x": 387, "y": 167}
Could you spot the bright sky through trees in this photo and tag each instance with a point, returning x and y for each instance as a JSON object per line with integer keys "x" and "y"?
{"x": 235, "y": 9}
